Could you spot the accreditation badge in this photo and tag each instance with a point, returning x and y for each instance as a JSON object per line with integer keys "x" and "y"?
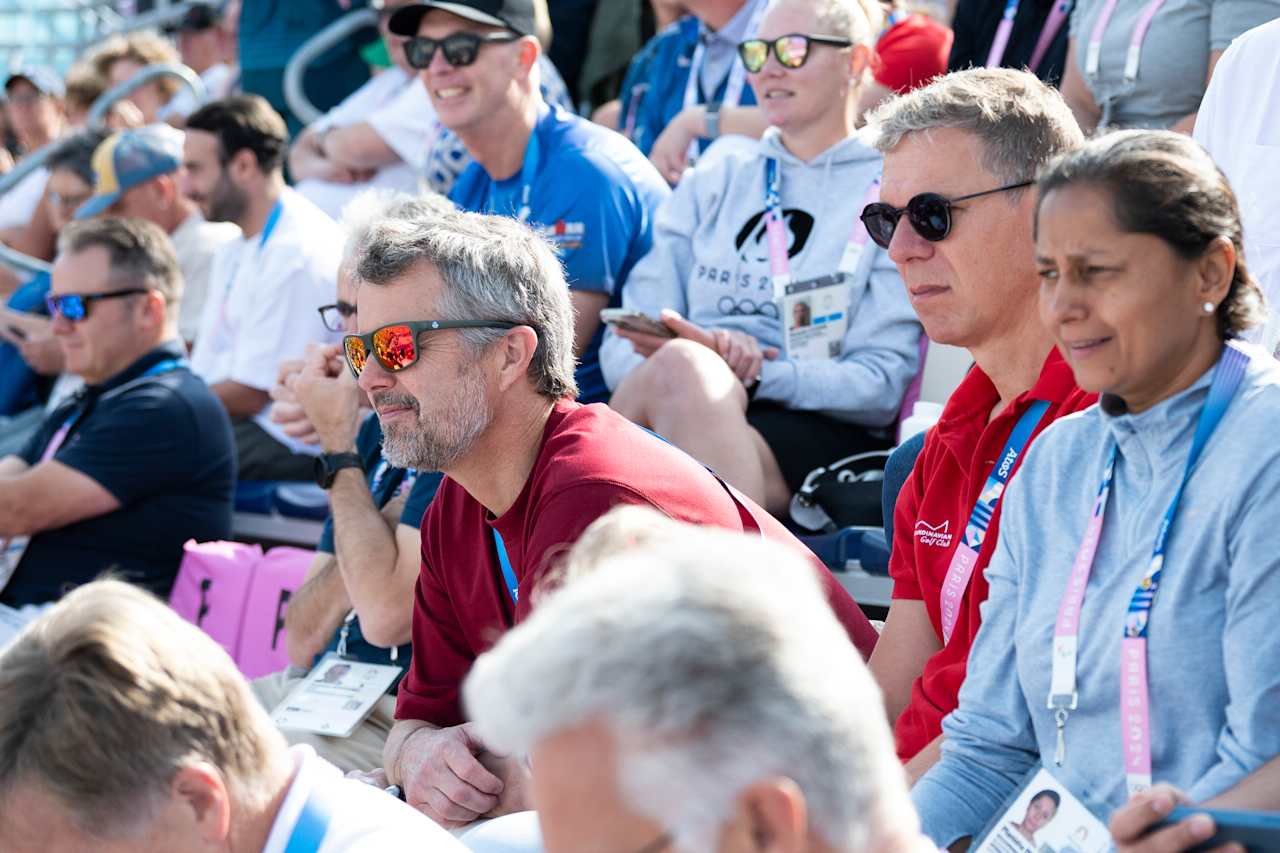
{"x": 815, "y": 314}
{"x": 335, "y": 697}
{"x": 1044, "y": 817}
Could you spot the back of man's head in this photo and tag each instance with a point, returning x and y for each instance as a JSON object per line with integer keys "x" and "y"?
{"x": 492, "y": 267}
{"x": 716, "y": 663}
{"x": 245, "y": 122}
{"x": 108, "y": 697}
{"x": 1022, "y": 122}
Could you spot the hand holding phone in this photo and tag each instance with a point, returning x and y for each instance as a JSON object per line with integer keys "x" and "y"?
{"x": 636, "y": 321}
{"x": 1255, "y": 832}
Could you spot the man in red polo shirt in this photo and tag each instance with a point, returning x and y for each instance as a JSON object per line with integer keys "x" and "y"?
{"x": 467, "y": 355}
{"x": 971, "y": 274}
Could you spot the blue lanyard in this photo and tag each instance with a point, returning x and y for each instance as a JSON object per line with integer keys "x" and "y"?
{"x": 60, "y": 436}
{"x": 309, "y": 831}
{"x": 772, "y": 189}
{"x": 270, "y": 224}
{"x": 1227, "y": 377}
{"x": 503, "y": 203}
{"x": 508, "y": 574}
{"x": 980, "y": 519}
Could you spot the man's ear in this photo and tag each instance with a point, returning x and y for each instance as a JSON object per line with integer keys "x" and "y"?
{"x": 516, "y": 350}
{"x": 199, "y": 793}
{"x": 529, "y": 50}
{"x": 776, "y": 815}
{"x": 243, "y": 165}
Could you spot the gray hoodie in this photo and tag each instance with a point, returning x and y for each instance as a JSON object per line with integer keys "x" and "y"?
{"x": 1212, "y": 644}
{"x": 709, "y": 262}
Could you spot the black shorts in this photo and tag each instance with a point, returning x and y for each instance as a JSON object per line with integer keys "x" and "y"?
{"x": 802, "y": 440}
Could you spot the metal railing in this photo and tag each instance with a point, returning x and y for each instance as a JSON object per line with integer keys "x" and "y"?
{"x": 28, "y": 265}
{"x": 98, "y": 112}
{"x": 294, "y": 94}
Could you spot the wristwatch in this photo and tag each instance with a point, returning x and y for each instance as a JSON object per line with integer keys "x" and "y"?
{"x": 329, "y": 464}
{"x": 712, "y": 119}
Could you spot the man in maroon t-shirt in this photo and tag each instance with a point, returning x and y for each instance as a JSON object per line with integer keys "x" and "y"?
{"x": 973, "y": 285}
{"x": 468, "y": 358}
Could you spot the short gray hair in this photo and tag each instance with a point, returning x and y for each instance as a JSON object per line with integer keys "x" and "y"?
{"x": 109, "y": 694}
{"x": 360, "y": 214}
{"x": 493, "y": 267}
{"x": 716, "y": 661}
{"x": 140, "y": 253}
{"x": 1021, "y": 122}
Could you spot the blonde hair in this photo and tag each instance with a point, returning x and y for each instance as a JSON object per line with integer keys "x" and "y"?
{"x": 109, "y": 694}
{"x": 144, "y": 48}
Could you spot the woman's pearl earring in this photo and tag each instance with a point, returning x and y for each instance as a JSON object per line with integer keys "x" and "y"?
{"x": 1209, "y": 308}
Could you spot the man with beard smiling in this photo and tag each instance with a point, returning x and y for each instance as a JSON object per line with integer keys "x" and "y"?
{"x": 264, "y": 288}
{"x": 467, "y": 356}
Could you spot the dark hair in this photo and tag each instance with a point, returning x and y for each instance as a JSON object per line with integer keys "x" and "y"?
{"x": 140, "y": 252}
{"x": 1048, "y": 793}
{"x": 1165, "y": 184}
{"x": 245, "y": 121}
{"x": 75, "y": 154}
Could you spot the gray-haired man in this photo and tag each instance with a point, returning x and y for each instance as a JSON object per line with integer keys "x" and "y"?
{"x": 688, "y": 712}
{"x": 956, "y": 216}
{"x": 467, "y": 356}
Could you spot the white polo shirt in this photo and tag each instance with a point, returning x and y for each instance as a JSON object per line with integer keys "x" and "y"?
{"x": 261, "y": 306}
{"x": 1239, "y": 123}
{"x": 361, "y": 817}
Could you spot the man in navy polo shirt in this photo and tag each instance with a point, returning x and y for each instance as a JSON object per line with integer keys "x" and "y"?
{"x": 590, "y": 192}
{"x": 142, "y": 459}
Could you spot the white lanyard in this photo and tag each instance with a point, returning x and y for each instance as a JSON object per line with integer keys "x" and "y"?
{"x": 737, "y": 73}
{"x": 776, "y": 235}
{"x": 1093, "y": 55}
{"x": 1134, "y": 690}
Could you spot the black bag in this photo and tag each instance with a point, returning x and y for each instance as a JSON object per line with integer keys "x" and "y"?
{"x": 846, "y": 493}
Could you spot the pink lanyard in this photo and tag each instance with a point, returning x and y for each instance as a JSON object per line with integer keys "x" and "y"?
{"x": 1093, "y": 56}
{"x": 1135, "y": 712}
{"x": 776, "y": 234}
{"x": 1052, "y": 24}
{"x": 965, "y": 556}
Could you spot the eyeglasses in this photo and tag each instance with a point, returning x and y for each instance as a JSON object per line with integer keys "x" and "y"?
{"x": 928, "y": 213}
{"x": 68, "y": 202}
{"x": 395, "y": 346}
{"x": 460, "y": 49}
{"x": 75, "y": 306}
{"x": 333, "y": 315}
{"x": 792, "y": 50}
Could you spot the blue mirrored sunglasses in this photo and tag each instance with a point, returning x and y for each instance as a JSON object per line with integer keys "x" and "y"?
{"x": 75, "y": 306}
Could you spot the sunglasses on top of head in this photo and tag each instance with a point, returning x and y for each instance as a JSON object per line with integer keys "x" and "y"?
{"x": 75, "y": 306}
{"x": 792, "y": 50}
{"x": 395, "y": 345}
{"x": 460, "y": 49}
{"x": 928, "y": 213}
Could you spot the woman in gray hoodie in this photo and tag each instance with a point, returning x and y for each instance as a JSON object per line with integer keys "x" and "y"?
{"x": 790, "y": 357}
{"x": 1129, "y": 635}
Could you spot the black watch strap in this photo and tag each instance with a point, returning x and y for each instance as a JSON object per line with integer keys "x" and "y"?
{"x": 329, "y": 464}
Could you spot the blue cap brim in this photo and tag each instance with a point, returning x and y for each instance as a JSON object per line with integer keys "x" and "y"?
{"x": 95, "y": 205}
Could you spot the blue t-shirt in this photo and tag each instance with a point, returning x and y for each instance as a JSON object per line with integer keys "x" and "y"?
{"x": 161, "y": 443}
{"x": 653, "y": 90}
{"x": 594, "y": 196}
{"x": 385, "y": 483}
{"x": 20, "y": 386}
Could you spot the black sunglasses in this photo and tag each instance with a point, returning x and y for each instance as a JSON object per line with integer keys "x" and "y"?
{"x": 75, "y": 306}
{"x": 333, "y": 315}
{"x": 792, "y": 50}
{"x": 928, "y": 213}
{"x": 460, "y": 49}
{"x": 395, "y": 345}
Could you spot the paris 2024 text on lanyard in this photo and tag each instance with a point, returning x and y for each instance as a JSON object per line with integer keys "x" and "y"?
{"x": 1135, "y": 714}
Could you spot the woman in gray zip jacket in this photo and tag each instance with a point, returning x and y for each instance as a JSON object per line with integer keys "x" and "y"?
{"x": 1144, "y": 289}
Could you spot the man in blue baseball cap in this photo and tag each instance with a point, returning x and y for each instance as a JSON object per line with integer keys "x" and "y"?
{"x": 135, "y": 175}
